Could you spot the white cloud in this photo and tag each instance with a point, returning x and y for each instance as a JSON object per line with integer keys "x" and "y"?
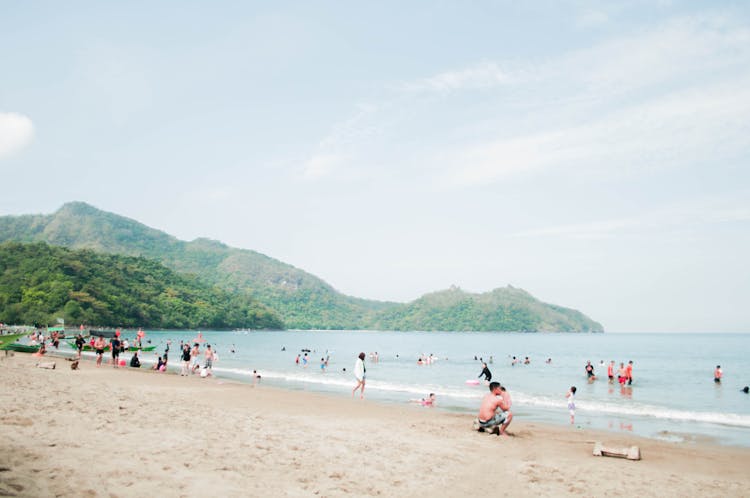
{"x": 592, "y": 18}
{"x": 482, "y": 75}
{"x": 321, "y": 165}
{"x": 16, "y": 132}
{"x": 686, "y": 215}
{"x": 670, "y": 95}
{"x": 663, "y": 132}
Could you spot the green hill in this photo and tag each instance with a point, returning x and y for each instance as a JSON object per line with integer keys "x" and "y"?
{"x": 505, "y": 309}
{"x": 302, "y": 300}
{"x": 40, "y": 283}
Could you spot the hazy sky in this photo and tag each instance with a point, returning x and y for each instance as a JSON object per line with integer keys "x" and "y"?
{"x": 593, "y": 153}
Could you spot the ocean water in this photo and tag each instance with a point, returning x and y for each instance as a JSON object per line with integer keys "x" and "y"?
{"x": 673, "y": 396}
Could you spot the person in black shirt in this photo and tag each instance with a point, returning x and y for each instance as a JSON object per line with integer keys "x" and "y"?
{"x": 486, "y": 372}
{"x": 135, "y": 362}
{"x": 79, "y": 344}
{"x": 185, "y": 360}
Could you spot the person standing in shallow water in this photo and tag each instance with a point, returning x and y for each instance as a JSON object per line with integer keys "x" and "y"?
{"x": 486, "y": 372}
{"x": 359, "y": 374}
{"x": 718, "y": 374}
{"x": 629, "y": 372}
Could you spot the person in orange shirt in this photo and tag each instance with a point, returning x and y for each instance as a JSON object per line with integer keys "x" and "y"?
{"x": 717, "y": 374}
{"x": 629, "y": 372}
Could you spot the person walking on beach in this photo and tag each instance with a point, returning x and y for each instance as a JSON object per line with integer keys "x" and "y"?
{"x": 572, "y": 403}
{"x": 359, "y": 374}
{"x": 486, "y": 372}
{"x": 718, "y": 374}
{"x": 115, "y": 346}
{"x": 185, "y": 360}
{"x": 611, "y": 372}
{"x": 99, "y": 348}
{"x": 209, "y": 355}
{"x": 79, "y": 345}
{"x": 494, "y": 410}
{"x": 195, "y": 357}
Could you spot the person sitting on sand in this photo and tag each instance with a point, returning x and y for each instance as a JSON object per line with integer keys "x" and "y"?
{"x": 495, "y": 409}
{"x": 135, "y": 362}
{"x": 160, "y": 365}
{"x": 428, "y": 401}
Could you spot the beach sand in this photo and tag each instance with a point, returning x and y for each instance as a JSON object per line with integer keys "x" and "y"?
{"x": 123, "y": 432}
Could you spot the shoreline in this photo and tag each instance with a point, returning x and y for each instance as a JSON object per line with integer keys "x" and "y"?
{"x": 245, "y": 378}
{"x": 119, "y": 432}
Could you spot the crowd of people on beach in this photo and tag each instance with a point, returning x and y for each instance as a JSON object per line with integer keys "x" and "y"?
{"x": 494, "y": 413}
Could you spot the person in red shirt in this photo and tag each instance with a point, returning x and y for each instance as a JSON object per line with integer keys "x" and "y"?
{"x": 629, "y": 372}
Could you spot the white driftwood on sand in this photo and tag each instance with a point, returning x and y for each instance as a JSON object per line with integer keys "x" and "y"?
{"x": 631, "y": 453}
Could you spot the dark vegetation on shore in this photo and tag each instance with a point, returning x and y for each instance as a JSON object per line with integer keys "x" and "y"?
{"x": 40, "y": 283}
{"x": 299, "y": 299}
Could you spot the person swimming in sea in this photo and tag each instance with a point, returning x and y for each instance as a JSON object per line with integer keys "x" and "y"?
{"x": 428, "y": 401}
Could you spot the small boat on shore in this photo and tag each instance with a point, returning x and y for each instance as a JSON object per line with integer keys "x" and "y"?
{"x": 87, "y": 347}
{"x": 21, "y": 348}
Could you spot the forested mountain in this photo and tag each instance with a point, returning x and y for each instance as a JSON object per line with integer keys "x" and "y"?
{"x": 502, "y": 309}
{"x": 300, "y": 299}
{"x": 40, "y": 283}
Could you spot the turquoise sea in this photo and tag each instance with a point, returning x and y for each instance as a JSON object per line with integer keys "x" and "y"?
{"x": 673, "y": 396}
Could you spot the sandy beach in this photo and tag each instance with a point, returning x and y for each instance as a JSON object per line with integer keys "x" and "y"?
{"x": 122, "y": 432}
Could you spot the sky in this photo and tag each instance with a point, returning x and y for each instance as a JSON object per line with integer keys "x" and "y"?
{"x": 595, "y": 154}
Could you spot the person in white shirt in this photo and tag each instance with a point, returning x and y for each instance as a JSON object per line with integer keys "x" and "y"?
{"x": 359, "y": 374}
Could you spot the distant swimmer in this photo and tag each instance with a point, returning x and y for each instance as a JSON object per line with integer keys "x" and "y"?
{"x": 428, "y": 401}
{"x": 746, "y": 389}
{"x": 718, "y": 374}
